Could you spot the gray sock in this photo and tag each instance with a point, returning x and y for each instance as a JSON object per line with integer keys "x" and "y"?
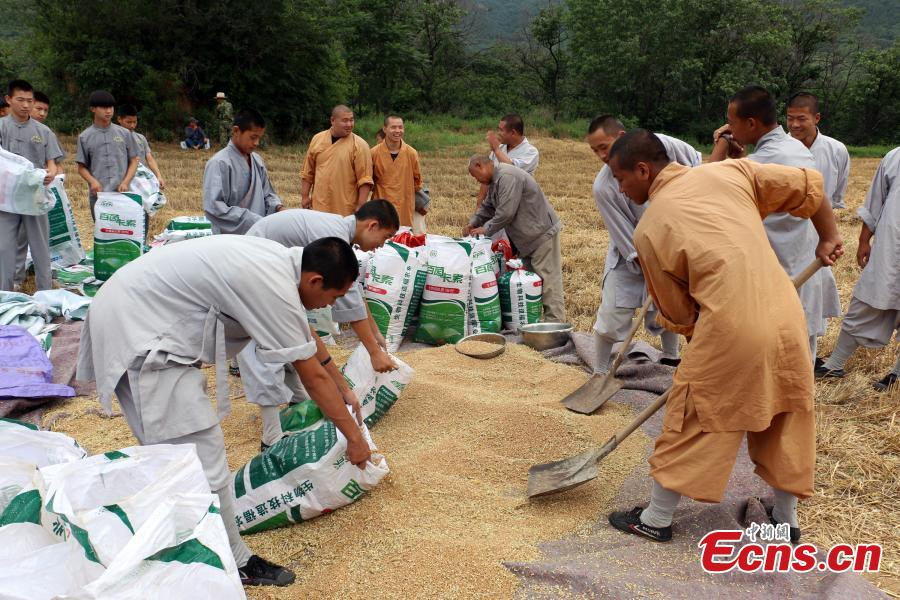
{"x": 813, "y": 346}
{"x": 271, "y": 420}
{"x": 662, "y": 506}
{"x": 785, "y": 510}
{"x": 226, "y": 508}
{"x": 842, "y": 350}
{"x": 669, "y": 344}
{"x": 602, "y": 350}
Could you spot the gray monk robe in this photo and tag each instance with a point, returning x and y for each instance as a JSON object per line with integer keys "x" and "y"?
{"x": 874, "y": 311}
{"x": 237, "y": 194}
{"x": 794, "y": 240}
{"x": 272, "y": 384}
{"x": 161, "y": 317}
{"x": 623, "y": 287}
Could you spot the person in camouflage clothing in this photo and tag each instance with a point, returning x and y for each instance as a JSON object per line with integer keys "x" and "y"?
{"x": 224, "y": 118}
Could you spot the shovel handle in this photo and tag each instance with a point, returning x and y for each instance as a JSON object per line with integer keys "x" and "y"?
{"x": 808, "y": 272}
{"x": 651, "y": 409}
{"x": 634, "y": 327}
{"x": 639, "y": 420}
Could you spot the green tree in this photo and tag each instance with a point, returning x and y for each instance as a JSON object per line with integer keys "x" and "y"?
{"x": 545, "y": 54}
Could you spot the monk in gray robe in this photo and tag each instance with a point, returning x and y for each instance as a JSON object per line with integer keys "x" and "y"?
{"x": 158, "y": 320}
{"x": 236, "y": 188}
{"x": 874, "y": 312}
{"x": 623, "y": 286}
{"x": 272, "y": 384}
{"x": 752, "y": 119}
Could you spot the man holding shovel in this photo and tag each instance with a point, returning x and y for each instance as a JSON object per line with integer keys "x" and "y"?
{"x": 716, "y": 280}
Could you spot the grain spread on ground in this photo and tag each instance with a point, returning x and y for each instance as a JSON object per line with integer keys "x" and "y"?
{"x": 459, "y": 443}
{"x": 476, "y": 347}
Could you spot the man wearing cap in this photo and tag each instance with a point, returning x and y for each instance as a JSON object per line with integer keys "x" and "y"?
{"x": 224, "y": 118}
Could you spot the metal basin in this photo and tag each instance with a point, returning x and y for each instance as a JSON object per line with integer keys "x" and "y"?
{"x": 493, "y": 338}
{"x": 543, "y": 336}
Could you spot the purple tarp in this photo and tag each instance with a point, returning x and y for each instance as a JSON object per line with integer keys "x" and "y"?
{"x": 25, "y": 370}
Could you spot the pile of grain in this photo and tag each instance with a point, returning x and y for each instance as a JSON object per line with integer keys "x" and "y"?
{"x": 459, "y": 443}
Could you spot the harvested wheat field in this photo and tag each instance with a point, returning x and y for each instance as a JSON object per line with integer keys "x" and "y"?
{"x": 453, "y": 507}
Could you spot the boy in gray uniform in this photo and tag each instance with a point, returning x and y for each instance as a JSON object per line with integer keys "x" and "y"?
{"x": 270, "y": 385}
{"x": 236, "y": 188}
{"x": 623, "y": 287}
{"x": 128, "y": 118}
{"x": 22, "y": 135}
{"x": 106, "y": 153}
{"x": 752, "y": 119}
{"x": 874, "y": 311}
{"x": 157, "y": 320}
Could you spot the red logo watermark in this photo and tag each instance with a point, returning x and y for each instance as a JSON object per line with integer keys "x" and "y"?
{"x": 720, "y": 552}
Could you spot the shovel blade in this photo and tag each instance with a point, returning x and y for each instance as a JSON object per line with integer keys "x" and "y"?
{"x": 562, "y": 475}
{"x": 593, "y": 394}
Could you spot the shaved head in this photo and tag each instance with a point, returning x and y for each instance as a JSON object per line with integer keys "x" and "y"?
{"x": 339, "y": 110}
{"x": 639, "y": 145}
{"x": 478, "y": 160}
{"x": 804, "y": 100}
{"x": 608, "y": 123}
{"x": 755, "y": 102}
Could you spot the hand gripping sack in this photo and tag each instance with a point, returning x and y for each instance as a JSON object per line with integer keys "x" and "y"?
{"x": 118, "y": 232}
{"x": 304, "y": 475}
{"x": 443, "y": 316}
{"x": 520, "y": 296}
{"x": 22, "y": 186}
{"x": 103, "y": 500}
{"x": 393, "y": 289}
{"x": 484, "y": 296}
{"x": 181, "y": 551}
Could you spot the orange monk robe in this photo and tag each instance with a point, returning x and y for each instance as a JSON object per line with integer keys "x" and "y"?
{"x": 336, "y": 172}
{"x": 715, "y": 279}
{"x": 397, "y": 179}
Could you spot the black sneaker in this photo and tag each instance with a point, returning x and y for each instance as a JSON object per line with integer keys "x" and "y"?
{"x": 670, "y": 362}
{"x": 794, "y": 531}
{"x": 630, "y": 522}
{"x": 264, "y": 446}
{"x": 818, "y": 362}
{"x": 886, "y": 382}
{"x": 234, "y": 370}
{"x": 822, "y": 372}
{"x": 259, "y": 571}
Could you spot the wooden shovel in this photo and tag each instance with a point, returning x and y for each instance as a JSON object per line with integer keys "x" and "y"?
{"x": 562, "y": 475}
{"x": 599, "y": 388}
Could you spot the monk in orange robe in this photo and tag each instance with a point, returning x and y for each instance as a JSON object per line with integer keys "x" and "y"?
{"x": 337, "y": 171}
{"x": 747, "y": 369}
{"x": 395, "y": 169}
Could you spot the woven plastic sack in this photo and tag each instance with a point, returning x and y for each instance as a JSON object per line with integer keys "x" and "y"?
{"x": 484, "y": 293}
{"x": 146, "y": 184}
{"x": 322, "y": 322}
{"x": 520, "y": 296}
{"x": 65, "y": 243}
{"x": 394, "y": 281}
{"x": 103, "y": 500}
{"x": 118, "y": 232}
{"x": 304, "y": 475}
{"x": 443, "y": 317}
{"x": 24, "y": 442}
{"x": 22, "y": 186}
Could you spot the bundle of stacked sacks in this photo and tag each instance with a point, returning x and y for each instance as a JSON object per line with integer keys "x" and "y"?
{"x": 446, "y": 288}
{"x": 141, "y": 522}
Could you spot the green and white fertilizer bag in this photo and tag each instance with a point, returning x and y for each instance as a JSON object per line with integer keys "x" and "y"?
{"x": 520, "y": 296}
{"x": 21, "y": 441}
{"x": 377, "y": 392}
{"x": 22, "y": 186}
{"x": 443, "y": 317}
{"x": 21, "y": 493}
{"x": 146, "y": 184}
{"x": 181, "y": 551}
{"x": 118, "y": 232}
{"x": 299, "y": 416}
{"x": 394, "y": 281}
{"x": 65, "y": 243}
{"x": 321, "y": 321}
{"x": 484, "y": 294}
{"x": 183, "y": 228}
{"x": 103, "y": 500}
{"x": 304, "y": 475}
